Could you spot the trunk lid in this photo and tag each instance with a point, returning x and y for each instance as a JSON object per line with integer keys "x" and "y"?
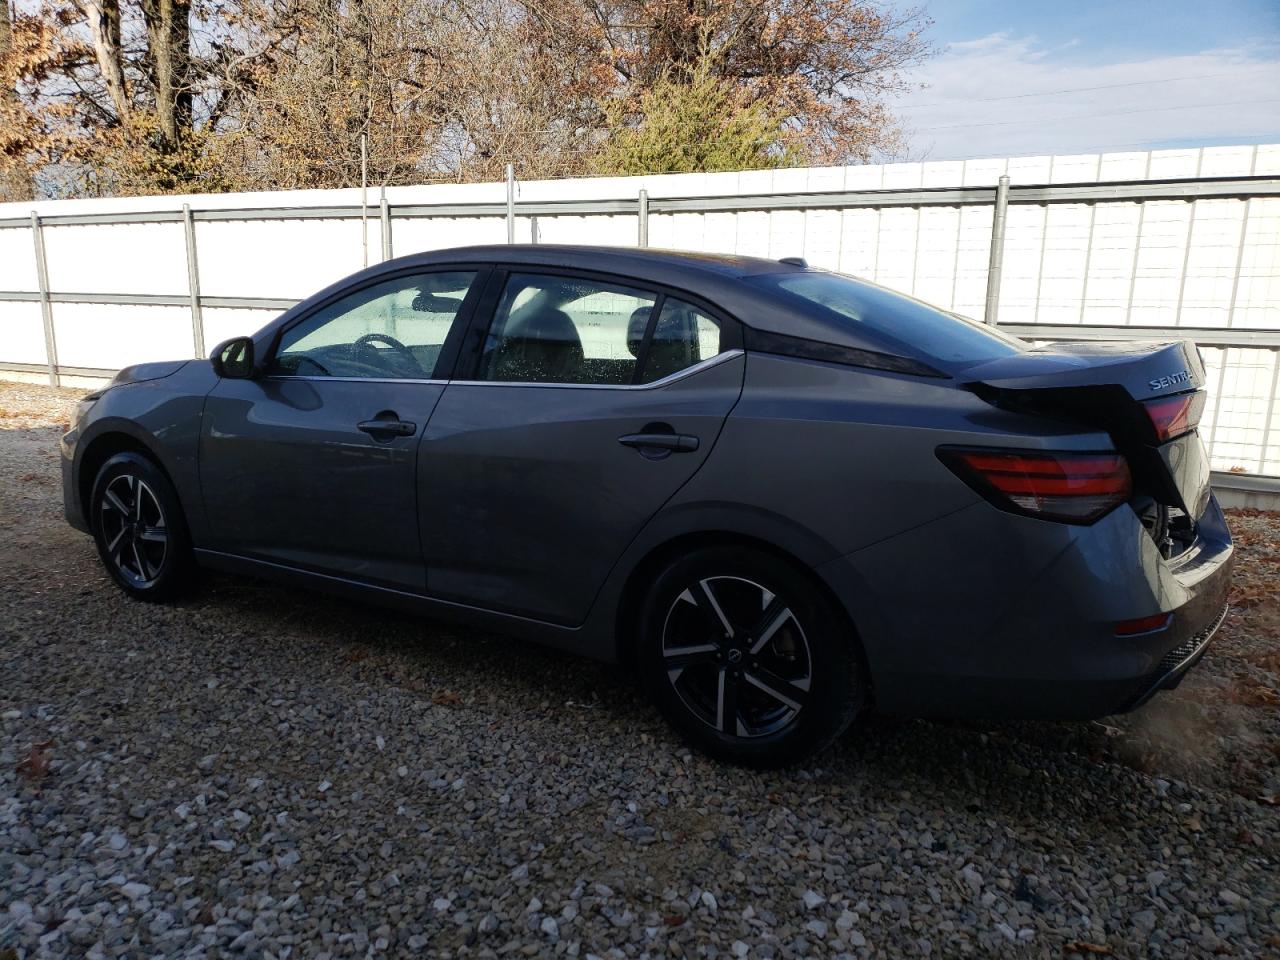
{"x": 1144, "y": 369}
{"x": 1108, "y": 386}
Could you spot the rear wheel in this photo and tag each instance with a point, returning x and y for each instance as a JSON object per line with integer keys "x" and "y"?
{"x": 747, "y": 658}
{"x": 139, "y": 529}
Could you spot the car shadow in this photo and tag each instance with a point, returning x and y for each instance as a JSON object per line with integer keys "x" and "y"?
{"x": 966, "y": 767}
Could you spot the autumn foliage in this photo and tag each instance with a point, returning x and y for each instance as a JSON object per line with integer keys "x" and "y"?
{"x": 141, "y": 96}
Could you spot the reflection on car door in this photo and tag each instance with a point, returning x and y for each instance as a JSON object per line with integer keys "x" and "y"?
{"x": 538, "y": 471}
{"x": 315, "y": 464}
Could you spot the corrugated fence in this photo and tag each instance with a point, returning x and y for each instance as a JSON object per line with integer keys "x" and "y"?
{"x": 1149, "y": 245}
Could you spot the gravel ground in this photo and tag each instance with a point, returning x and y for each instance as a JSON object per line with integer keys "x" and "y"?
{"x": 264, "y": 772}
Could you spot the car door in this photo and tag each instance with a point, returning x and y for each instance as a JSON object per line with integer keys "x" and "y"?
{"x": 589, "y": 401}
{"x": 314, "y": 463}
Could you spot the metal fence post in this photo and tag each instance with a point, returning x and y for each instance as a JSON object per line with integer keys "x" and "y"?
{"x": 511, "y": 203}
{"x": 193, "y": 281}
{"x": 642, "y": 231}
{"x": 46, "y": 305}
{"x": 996, "y": 264}
{"x": 385, "y": 212}
{"x": 364, "y": 194}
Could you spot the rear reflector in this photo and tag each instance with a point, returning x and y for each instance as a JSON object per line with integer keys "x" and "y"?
{"x": 1151, "y": 624}
{"x": 1068, "y": 487}
{"x": 1171, "y": 417}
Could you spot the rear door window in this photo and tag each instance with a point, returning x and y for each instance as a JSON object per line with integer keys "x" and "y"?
{"x": 553, "y": 329}
{"x": 580, "y": 330}
{"x": 682, "y": 337}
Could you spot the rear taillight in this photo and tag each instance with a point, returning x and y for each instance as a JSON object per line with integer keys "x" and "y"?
{"x": 1068, "y": 487}
{"x": 1171, "y": 417}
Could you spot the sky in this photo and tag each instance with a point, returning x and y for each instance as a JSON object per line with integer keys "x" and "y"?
{"x": 1081, "y": 76}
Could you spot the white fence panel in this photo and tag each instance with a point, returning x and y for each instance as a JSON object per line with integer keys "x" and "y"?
{"x": 223, "y": 323}
{"x": 1243, "y": 395}
{"x": 115, "y": 335}
{"x": 22, "y": 333}
{"x": 278, "y": 258}
{"x": 437, "y": 233}
{"x": 148, "y": 258}
{"x": 18, "y": 260}
{"x": 1257, "y": 296}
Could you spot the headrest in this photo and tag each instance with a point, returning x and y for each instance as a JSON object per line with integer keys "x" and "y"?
{"x": 636, "y": 327}
{"x": 547, "y": 325}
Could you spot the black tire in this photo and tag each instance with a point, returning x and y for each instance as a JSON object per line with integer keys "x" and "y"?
{"x": 146, "y": 548}
{"x": 766, "y": 693}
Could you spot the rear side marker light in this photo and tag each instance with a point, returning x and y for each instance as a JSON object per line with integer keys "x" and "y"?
{"x": 1151, "y": 624}
{"x": 1067, "y": 487}
{"x": 1173, "y": 416}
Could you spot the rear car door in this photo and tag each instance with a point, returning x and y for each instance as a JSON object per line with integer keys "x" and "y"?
{"x": 587, "y": 403}
{"x": 314, "y": 464}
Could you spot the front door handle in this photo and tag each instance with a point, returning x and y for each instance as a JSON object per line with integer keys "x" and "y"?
{"x": 670, "y": 442}
{"x": 386, "y": 425}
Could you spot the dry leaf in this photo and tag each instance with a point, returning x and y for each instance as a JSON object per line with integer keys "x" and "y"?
{"x": 1080, "y": 946}
{"x": 35, "y": 766}
{"x": 446, "y": 698}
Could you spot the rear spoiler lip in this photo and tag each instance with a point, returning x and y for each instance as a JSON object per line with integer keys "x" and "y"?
{"x": 1143, "y": 369}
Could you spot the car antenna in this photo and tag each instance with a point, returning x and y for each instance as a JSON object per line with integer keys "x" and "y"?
{"x": 795, "y": 261}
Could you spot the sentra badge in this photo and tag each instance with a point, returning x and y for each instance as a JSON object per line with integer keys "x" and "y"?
{"x": 1172, "y": 380}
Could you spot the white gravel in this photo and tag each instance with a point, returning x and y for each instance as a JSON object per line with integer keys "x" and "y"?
{"x": 266, "y": 773}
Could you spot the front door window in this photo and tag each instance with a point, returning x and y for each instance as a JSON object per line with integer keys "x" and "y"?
{"x": 389, "y": 330}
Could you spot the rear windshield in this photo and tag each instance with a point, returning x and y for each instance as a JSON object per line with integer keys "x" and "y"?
{"x": 915, "y": 326}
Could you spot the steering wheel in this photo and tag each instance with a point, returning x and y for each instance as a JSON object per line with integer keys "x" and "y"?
{"x": 371, "y": 338}
{"x": 315, "y": 363}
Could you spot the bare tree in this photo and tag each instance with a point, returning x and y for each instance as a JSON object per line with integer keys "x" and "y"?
{"x": 129, "y": 96}
{"x": 167, "y": 63}
{"x": 103, "y": 17}
{"x": 15, "y": 175}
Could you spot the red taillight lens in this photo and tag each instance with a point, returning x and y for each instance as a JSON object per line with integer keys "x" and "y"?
{"x": 1070, "y": 487}
{"x": 1171, "y": 417}
{"x": 1151, "y": 624}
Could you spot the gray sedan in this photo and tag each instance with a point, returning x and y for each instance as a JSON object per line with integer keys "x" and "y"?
{"x": 780, "y": 495}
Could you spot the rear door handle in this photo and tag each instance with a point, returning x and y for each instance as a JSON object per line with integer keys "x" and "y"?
{"x": 673, "y": 442}
{"x": 386, "y": 429}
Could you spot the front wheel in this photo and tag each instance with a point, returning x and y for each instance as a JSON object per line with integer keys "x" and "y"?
{"x": 139, "y": 528}
{"x": 747, "y": 658}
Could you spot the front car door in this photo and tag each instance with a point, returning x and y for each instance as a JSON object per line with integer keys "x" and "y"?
{"x": 314, "y": 464}
{"x": 590, "y": 402}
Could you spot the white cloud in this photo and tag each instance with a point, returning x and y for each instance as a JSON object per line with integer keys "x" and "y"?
{"x": 1004, "y": 95}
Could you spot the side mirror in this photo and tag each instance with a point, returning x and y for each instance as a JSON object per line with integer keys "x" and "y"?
{"x": 233, "y": 358}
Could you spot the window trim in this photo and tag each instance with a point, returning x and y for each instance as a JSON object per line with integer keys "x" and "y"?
{"x": 647, "y": 338}
{"x": 449, "y": 350}
{"x": 466, "y": 368}
{"x": 724, "y": 356}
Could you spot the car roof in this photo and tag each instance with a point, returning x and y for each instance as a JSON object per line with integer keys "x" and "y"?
{"x": 637, "y": 261}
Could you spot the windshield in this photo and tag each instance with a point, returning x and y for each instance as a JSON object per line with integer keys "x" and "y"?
{"x": 897, "y": 319}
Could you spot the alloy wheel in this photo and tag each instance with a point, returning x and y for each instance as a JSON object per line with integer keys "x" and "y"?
{"x": 133, "y": 530}
{"x": 737, "y": 656}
